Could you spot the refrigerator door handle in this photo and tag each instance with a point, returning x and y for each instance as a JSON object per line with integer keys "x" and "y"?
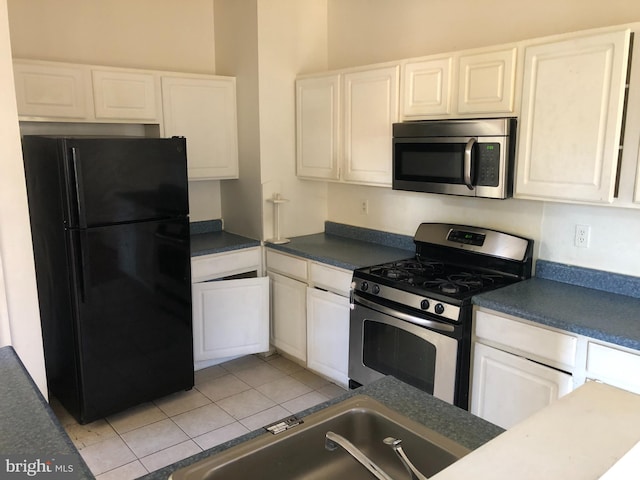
{"x": 82, "y": 219}
{"x": 78, "y": 265}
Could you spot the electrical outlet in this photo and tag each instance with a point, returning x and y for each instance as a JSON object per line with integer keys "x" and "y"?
{"x": 364, "y": 207}
{"x": 581, "y": 239}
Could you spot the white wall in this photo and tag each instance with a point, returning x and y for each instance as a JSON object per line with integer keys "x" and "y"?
{"x": 265, "y": 44}
{"x": 370, "y": 31}
{"x": 19, "y": 314}
{"x": 292, "y": 40}
{"x": 162, "y": 35}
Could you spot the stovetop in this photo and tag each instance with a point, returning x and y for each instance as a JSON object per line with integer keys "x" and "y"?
{"x": 452, "y": 263}
{"x": 432, "y": 276}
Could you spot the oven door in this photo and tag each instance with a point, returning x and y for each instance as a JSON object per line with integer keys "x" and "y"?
{"x": 383, "y": 341}
{"x": 468, "y": 166}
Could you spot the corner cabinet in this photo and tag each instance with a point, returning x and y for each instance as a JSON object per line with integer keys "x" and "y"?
{"x": 343, "y": 125}
{"x": 230, "y": 306}
{"x": 571, "y": 118}
{"x": 203, "y": 110}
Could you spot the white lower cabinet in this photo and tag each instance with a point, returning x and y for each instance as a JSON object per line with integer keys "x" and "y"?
{"x": 230, "y": 313}
{"x": 328, "y": 334}
{"x": 614, "y": 366}
{"x": 288, "y": 315}
{"x": 310, "y": 313}
{"x": 519, "y": 367}
{"x": 231, "y": 318}
{"x": 508, "y": 388}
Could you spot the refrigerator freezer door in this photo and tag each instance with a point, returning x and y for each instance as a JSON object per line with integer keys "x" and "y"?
{"x": 133, "y": 319}
{"x": 117, "y": 180}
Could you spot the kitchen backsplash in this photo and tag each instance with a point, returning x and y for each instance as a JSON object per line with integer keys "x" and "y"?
{"x": 206, "y": 226}
{"x": 379, "y": 237}
{"x": 586, "y": 277}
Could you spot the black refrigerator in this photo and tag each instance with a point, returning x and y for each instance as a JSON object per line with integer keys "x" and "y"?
{"x": 110, "y": 229}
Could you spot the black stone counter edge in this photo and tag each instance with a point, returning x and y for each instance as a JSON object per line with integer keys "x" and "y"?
{"x": 452, "y": 422}
{"x": 28, "y": 426}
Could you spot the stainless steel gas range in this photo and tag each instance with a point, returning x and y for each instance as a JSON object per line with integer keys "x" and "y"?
{"x": 412, "y": 318}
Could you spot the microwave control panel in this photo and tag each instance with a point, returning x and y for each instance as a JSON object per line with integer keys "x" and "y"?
{"x": 488, "y": 164}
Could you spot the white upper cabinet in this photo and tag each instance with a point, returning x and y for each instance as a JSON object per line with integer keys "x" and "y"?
{"x": 125, "y": 95}
{"x": 469, "y": 83}
{"x": 343, "y": 125}
{"x": 370, "y": 109}
{"x": 426, "y": 87}
{"x": 55, "y": 91}
{"x": 571, "y": 118}
{"x": 486, "y": 81}
{"x": 203, "y": 110}
{"x": 318, "y": 126}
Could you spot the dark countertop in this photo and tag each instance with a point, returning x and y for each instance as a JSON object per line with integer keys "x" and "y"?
{"x": 340, "y": 251}
{"x": 452, "y": 422}
{"x": 218, "y": 242}
{"x": 28, "y": 428}
{"x": 598, "y": 314}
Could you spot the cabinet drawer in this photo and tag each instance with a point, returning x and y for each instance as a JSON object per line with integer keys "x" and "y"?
{"x": 613, "y": 366}
{"x": 217, "y": 265}
{"x": 540, "y": 343}
{"x": 330, "y": 278}
{"x": 287, "y": 265}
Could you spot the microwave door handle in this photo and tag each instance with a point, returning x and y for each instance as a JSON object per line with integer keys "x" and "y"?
{"x": 467, "y": 163}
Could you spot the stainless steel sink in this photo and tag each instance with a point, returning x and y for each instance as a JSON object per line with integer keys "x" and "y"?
{"x": 300, "y": 451}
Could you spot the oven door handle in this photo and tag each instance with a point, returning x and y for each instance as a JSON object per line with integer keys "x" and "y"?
{"x": 434, "y": 325}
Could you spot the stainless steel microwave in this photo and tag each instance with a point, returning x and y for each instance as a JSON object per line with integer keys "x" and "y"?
{"x": 470, "y": 157}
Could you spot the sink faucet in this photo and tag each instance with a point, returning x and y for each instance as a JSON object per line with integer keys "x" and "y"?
{"x": 333, "y": 440}
{"x": 413, "y": 471}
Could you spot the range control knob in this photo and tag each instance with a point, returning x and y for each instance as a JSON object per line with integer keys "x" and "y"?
{"x": 439, "y": 308}
{"x": 364, "y": 286}
{"x": 424, "y": 304}
{"x": 376, "y": 289}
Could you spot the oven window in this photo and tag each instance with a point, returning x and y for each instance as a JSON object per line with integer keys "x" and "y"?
{"x": 393, "y": 351}
{"x": 431, "y": 162}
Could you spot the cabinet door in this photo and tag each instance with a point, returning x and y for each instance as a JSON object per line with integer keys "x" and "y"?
{"x": 613, "y": 366}
{"x": 328, "y": 335}
{"x": 426, "y": 87}
{"x": 571, "y": 118}
{"x": 289, "y": 315}
{"x": 121, "y": 95}
{"x": 52, "y": 91}
{"x": 318, "y": 127}
{"x": 486, "y": 82}
{"x": 204, "y": 111}
{"x": 507, "y": 389}
{"x": 230, "y": 318}
{"x": 370, "y": 108}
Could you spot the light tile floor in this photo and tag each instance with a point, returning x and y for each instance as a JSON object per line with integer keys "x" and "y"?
{"x": 228, "y": 400}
